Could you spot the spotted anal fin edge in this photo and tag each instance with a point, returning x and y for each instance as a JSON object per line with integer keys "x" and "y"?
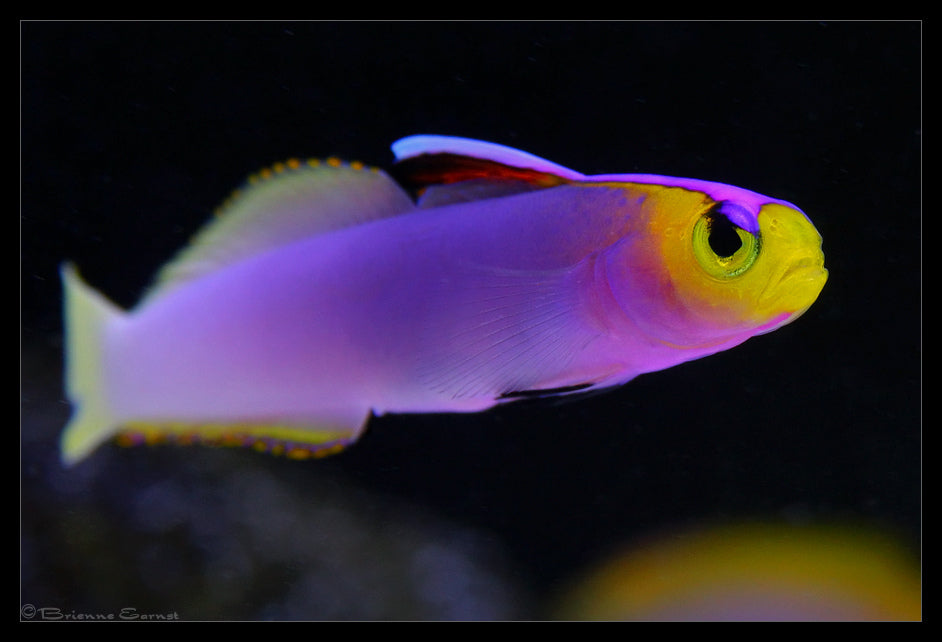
{"x": 293, "y": 442}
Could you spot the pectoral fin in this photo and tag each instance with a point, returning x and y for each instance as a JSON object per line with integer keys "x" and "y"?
{"x": 511, "y": 331}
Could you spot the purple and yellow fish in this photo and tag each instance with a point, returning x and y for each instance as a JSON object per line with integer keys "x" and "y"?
{"x": 324, "y": 294}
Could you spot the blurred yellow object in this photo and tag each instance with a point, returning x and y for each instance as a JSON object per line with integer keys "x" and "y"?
{"x": 752, "y": 572}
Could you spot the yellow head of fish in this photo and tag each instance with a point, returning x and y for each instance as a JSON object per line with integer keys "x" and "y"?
{"x": 706, "y": 269}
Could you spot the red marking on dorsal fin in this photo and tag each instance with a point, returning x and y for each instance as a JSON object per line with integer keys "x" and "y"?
{"x": 445, "y": 169}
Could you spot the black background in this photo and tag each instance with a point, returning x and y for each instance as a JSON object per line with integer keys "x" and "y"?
{"x": 132, "y": 132}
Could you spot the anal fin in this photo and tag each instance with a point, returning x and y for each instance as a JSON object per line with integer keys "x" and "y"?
{"x": 290, "y": 441}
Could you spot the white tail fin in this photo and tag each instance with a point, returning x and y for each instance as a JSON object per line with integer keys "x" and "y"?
{"x": 87, "y": 314}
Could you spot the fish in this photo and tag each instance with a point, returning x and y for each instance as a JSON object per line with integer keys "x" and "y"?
{"x": 471, "y": 274}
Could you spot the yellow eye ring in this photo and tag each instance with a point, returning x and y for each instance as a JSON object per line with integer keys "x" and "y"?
{"x": 722, "y": 249}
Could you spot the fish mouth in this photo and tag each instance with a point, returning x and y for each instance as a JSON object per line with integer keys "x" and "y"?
{"x": 805, "y": 270}
{"x": 797, "y": 286}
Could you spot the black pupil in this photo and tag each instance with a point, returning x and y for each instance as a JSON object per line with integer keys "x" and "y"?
{"x": 723, "y": 239}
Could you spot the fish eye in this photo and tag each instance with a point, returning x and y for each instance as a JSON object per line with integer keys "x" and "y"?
{"x": 723, "y": 249}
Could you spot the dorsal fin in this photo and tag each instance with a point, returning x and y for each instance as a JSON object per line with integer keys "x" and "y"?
{"x": 446, "y": 168}
{"x": 482, "y": 169}
{"x": 288, "y": 202}
{"x": 414, "y": 146}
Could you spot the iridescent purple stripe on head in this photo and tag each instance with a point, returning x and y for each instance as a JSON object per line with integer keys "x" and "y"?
{"x": 742, "y": 206}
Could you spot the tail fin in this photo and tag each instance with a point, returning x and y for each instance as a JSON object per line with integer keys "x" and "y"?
{"x": 87, "y": 314}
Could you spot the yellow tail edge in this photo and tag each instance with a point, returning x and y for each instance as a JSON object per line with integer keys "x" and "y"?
{"x": 86, "y": 317}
